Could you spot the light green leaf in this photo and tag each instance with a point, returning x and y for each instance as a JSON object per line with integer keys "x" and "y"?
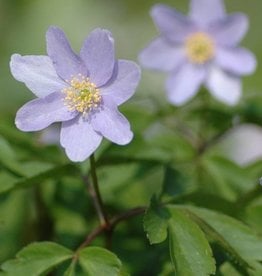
{"x": 156, "y": 223}
{"x": 189, "y": 248}
{"x": 36, "y": 258}
{"x": 243, "y": 245}
{"x": 98, "y": 261}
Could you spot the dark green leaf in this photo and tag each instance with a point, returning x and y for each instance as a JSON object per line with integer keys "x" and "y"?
{"x": 174, "y": 183}
{"x": 37, "y": 258}
{"x": 156, "y": 223}
{"x": 189, "y": 248}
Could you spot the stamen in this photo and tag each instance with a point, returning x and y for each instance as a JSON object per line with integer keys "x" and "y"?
{"x": 82, "y": 95}
{"x": 200, "y": 48}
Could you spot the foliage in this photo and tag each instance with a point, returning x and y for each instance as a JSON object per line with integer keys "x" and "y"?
{"x": 174, "y": 202}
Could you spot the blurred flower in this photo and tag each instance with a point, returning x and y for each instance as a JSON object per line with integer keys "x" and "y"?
{"x": 200, "y": 49}
{"x": 242, "y": 144}
{"x": 82, "y": 92}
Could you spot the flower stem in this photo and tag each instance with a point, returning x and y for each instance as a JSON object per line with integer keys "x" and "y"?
{"x": 95, "y": 193}
{"x": 113, "y": 223}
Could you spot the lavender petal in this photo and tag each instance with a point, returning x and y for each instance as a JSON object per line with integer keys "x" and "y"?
{"x": 79, "y": 139}
{"x": 38, "y": 74}
{"x": 238, "y": 61}
{"x": 171, "y": 24}
{"x": 224, "y": 86}
{"x": 110, "y": 123}
{"x": 124, "y": 82}
{"x": 99, "y": 56}
{"x": 40, "y": 113}
{"x": 231, "y": 30}
{"x": 184, "y": 84}
{"x": 66, "y": 62}
{"x": 161, "y": 55}
{"x": 204, "y": 12}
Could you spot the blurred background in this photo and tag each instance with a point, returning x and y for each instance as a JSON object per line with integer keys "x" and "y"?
{"x": 23, "y": 24}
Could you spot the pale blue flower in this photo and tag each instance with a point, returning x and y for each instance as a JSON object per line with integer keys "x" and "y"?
{"x": 201, "y": 48}
{"x": 81, "y": 91}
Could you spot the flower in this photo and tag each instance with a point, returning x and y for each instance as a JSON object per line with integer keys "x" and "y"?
{"x": 242, "y": 144}
{"x": 200, "y": 49}
{"x": 81, "y": 91}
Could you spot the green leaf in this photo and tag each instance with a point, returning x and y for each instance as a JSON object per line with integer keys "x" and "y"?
{"x": 189, "y": 248}
{"x": 7, "y": 181}
{"x": 99, "y": 261}
{"x": 174, "y": 182}
{"x": 138, "y": 151}
{"x": 8, "y": 158}
{"x": 35, "y": 173}
{"x": 242, "y": 244}
{"x": 163, "y": 136}
{"x": 229, "y": 180}
{"x": 37, "y": 258}
{"x": 71, "y": 270}
{"x": 6, "y": 152}
{"x": 156, "y": 223}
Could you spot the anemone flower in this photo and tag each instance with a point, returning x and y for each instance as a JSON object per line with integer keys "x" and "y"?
{"x": 81, "y": 91}
{"x": 200, "y": 49}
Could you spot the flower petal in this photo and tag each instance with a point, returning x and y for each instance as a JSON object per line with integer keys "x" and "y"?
{"x": 38, "y": 74}
{"x": 238, "y": 61}
{"x": 66, "y": 62}
{"x": 184, "y": 84}
{"x": 161, "y": 55}
{"x": 224, "y": 86}
{"x": 124, "y": 82}
{"x": 205, "y": 11}
{"x": 173, "y": 25}
{"x": 40, "y": 113}
{"x": 112, "y": 124}
{"x": 242, "y": 144}
{"x": 79, "y": 139}
{"x": 231, "y": 30}
{"x": 99, "y": 56}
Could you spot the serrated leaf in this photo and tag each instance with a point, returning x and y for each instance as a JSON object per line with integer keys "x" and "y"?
{"x": 99, "y": 261}
{"x": 36, "y": 258}
{"x": 189, "y": 248}
{"x": 243, "y": 245}
{"x": 156, "y": 223}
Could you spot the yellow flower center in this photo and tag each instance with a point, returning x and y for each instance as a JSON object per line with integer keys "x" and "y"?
{"x": 82, "y": 95}
{"x": 200, "y": 48}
